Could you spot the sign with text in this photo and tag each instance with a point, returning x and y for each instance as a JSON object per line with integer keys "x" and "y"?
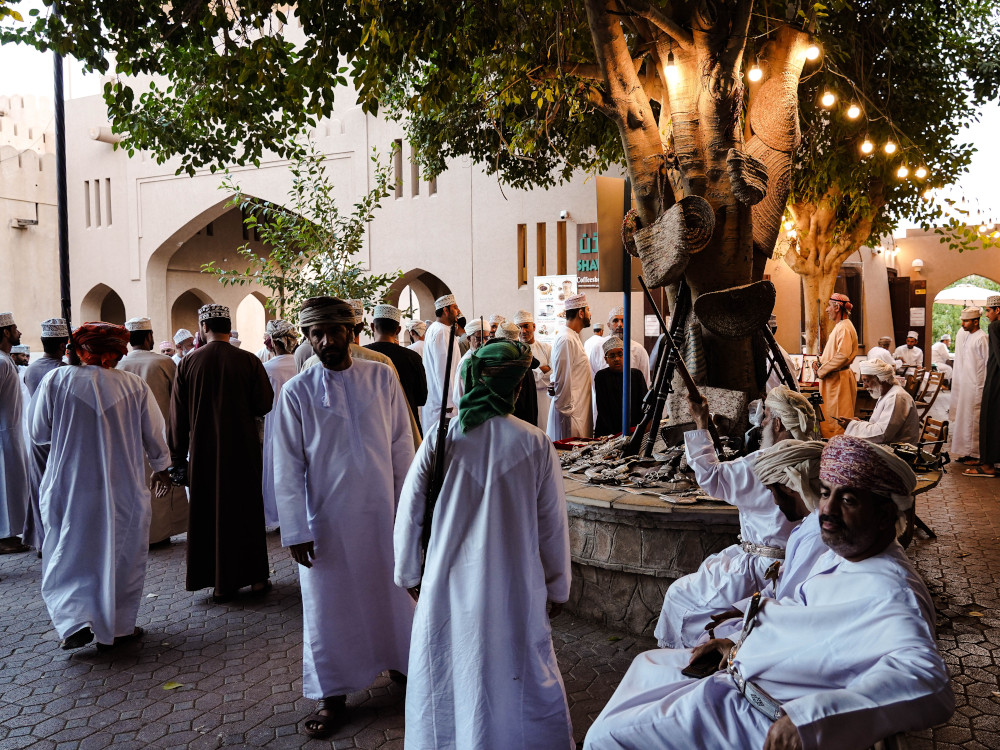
{"x": 550, "y": 293}
{"x": 588, "y": 269}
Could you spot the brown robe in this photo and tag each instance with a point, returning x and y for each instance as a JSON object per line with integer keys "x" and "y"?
{"x": 837, "y": 384}
{"x": 170, "y": 513}
{"x": 218, "y": 392}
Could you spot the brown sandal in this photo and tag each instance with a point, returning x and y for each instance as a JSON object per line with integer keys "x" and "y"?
{"x": 330, "y": 715}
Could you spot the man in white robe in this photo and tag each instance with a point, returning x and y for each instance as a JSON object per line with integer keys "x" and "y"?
{"x": 909, "y": 353}
{"x": 99, "y": 424}
{"x": 595, "y": 342}
{"x": 169, "y": 511}
{"x": 280, "y": 368}
{"x": 184, "y": 343}
{"x": 416, "y": 330}
{"x": 21, "y": 354}
{"x": 436, "y": 359}
{"x": 572, "y": 410}
{"x": 476, "y": 335}
{"x": 941, "y": 356}
{"x": 342, "y": 446}
{"x": 616, "y": 326}
{"x": 882, "y": 351}
{"x": 543, "y": 373}
{"x": 894, "y": 419}
{"x": 13, "y": 459}
{"x": 845, "y": 659}
{"x": 737, "y": 571}
{"x": 972, "y": 348}
{"x": 483, "y": 671}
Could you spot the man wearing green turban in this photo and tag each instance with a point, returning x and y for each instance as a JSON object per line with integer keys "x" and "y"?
{"x": 498, "y": 552}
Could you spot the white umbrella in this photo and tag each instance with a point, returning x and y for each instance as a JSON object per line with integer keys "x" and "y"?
{"x": 963, "y": 294}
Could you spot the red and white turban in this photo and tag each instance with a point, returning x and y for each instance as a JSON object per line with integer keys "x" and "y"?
{"x": 101, "y": 344}
{"x": 843, "y": 299}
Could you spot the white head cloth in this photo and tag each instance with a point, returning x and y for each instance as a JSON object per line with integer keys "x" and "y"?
{"x": 576, "y": 301}
{"x": 444, "y": 300}
{"x": 945, "y": 337}
{"x": 474, "y": 326}
{"x": 912, "y": 335}
{"x": 6, "y": 319}
{"x": 208, "y": 312}
{"x": 418, "y": 326}
{"x": 794, "y": 464}
{"x": 498, "y": 319}
{"x": 54, "y": 328}
{"x": 615, "y": 312}
{"x": 387, "y": 312}
{"x": 508, "y": 331}
{"x": 20, "y": 349}
{"x": 879, "y": 368}
{"x": 972, "y": 313}
{"x": 138, "y": 324}
{"x": 523, "y": 316}
{"x": 612, "y": 343}
{"x": 183, "y": 334}
{"x": 794, "y": 411}
{"x": 993, "y": 300}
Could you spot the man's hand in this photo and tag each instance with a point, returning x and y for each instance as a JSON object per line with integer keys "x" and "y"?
{"x": 722, "y": 617}
{"x": 555, "y": 609}
{"x": 159, "y": 483}
{"x": 783, "y": 736}
{"x": 699, "y": 411}
{"x": 722, "y": 645}
{"x": 844, "y": 421}
{"x": 303, "y": 553}
{"x": 545, "y": 368}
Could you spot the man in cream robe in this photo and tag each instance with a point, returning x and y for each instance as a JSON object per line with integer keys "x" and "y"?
{"x": 13, "y": 459}
{"x": 894, "y": 419}
{"x": 543, "y": 373}
{"x": 844, "y": 659}
{"x": 837, "y": 384}
{"x": 483, "y": 672}
{"x": 102, "y": 426}
{"x": 342, "y": 446}
{"x": 571, "y": 413}
{"x": 169, "y": 512}
{"x": 737, "y": 571}
{"x": 968, "y": 377}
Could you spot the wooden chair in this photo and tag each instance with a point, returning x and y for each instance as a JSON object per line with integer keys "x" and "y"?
{"x": 928, "y": 395}
{"x": 932, "y": 439}
{"x": 914, "y": 382}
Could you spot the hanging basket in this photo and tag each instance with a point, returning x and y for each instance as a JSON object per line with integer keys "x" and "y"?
{"x": 766, "y": 214}
{"x": 774, "y": 113}
{"x": 699, "y": 222}
{"x": 663, "y": 248}
{"x": 748, "y": 176}
{"x": 736, "y": 312}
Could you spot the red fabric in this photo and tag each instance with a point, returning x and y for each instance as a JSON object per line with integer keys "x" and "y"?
{"x": 100, "y": 343}
{"x": 854, "y": 462}
{"x": 843, "y": 298}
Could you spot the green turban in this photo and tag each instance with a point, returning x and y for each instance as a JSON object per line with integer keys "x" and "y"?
{"x": 491, "y": 376}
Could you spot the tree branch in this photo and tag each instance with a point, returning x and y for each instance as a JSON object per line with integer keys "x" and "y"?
{"x": 659, "y": 19}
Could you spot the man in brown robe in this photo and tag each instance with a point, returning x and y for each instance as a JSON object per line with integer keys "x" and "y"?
{"x": 170, "y": 512}
{"x": 218, "y": 392}
{"x": 837, "y": 384}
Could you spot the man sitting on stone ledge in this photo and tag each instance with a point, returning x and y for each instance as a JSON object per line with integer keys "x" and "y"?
{"x": 845, "y": 658}
{"x": 737, "y": 571}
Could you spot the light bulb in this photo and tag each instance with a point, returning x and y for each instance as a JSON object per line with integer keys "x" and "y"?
{"x": 995, "y": 235}
{"x": 791, "y": 234}
{"x": 890, "y": 147}
{"x": 828, "y": 99}
{"x": 867, "y": 147}
{"x": 672, "y": 72}
{"x": 902, "y": 173}
{"x": 812, "y": 52}
{"x": 854, "y": 111}
{"x": 755, "y": 74}
{"x": 984, "y": 229}
{"x": 928, "y": 194}
{"x": 788, "y": 226}
{"x": 921, "y": 173}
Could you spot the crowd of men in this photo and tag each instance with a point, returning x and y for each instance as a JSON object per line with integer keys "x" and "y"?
{"x": 440, "y": 556}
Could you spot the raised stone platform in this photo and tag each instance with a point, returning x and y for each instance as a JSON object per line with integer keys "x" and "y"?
{"x": 628, "y": 548}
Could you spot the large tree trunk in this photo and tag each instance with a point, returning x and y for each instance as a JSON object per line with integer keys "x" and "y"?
{"x": 816, "y": 292}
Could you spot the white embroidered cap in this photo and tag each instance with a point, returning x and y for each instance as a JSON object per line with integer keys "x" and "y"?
{"x": 912, "y": 335}
{"x": 54, "y": 328}
{"x": 443, "y": 301}
{"x": 993, "y": 301}
{"x": 209, "y": 312}
{"x": 6, "y": 319}
{"x": 972, "y": 313}
{"x": 508, "y": 331}
{"x": 387, "y": 312}
{"x": 183, "y": 334}
{"x": 20, "y": 349}
{"x": 498, "y": 319}
{"x": 139, "y": 324}
{"x": 616, "y": 311}
{"x": 418, "y": 326}
{"x": 576, "y": 301}
{"x": 523, "y": 316}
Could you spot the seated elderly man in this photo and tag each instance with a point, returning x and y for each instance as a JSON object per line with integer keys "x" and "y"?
{"x": 842, "y": 660}
{"x": 895, "y": 417}
{"x": 737, "y": 571}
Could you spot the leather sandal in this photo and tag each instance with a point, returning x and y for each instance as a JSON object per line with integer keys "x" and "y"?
{"x": 330, "y": 715}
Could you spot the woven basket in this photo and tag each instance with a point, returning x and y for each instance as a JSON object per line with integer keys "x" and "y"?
{"x": 767, "y": 214}
{"x": 748, "y": 177}
{"x": 737, "y": 312}
{"x": 699, "y": 222}
{"x": 663, "y": 248}
{"x": 774, "y": 113}
{"x": 630, "y": 224}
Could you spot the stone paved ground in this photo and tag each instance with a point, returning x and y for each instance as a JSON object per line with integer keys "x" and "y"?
{"x": 239, "y": 666}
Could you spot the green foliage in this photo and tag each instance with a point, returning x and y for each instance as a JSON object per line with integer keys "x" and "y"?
{"x": 313, "y": 247}
{"x": 947, "y": 318}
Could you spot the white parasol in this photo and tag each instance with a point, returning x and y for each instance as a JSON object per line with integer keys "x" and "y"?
{"x": 963, "y": 294}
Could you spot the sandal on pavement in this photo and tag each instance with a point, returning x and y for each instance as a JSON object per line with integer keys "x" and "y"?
{"x": 123, "y": 639}
{"x": 979, "y": 471}
{"x": 330, "y": 715}
{"x": 259, "y": 589}
{"x": 224, "y": 597}
{"x": 79, "y": 639}
{"x": 969, "y": 461}
{"x": 13, "y": 548}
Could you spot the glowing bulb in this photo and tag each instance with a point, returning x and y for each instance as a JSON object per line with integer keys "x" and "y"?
{"x": 812, "y": 52}
{"x": 791, "y": 234}
{"x": 867, "y": 147}
{"x": 921, "y": 173}
{"x": 902, "y": 173}
{"x": 928, "y": 194}
{"x": 890, "y": 147}
{"x": 755, "y": 74}
{"x": 828, "y": 99}
{"x": 672, "y": 72}
{"x": 788, "y": 226}
{"x": 984, "y": 229}
{"x": 853, "y": 112}
{"x": 995, "y": 235}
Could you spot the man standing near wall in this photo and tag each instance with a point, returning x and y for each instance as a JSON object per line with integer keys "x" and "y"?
{"x": 972, "y": 349}
{"x": 13, "y": 473}
{"x": 436, "y": 358}
{"x": 837, "y": 385}
{"x": 989, "y": 413}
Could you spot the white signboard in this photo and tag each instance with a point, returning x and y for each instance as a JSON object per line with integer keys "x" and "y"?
{"x": 918, "y": 317}
{"x": 550, "y": 293}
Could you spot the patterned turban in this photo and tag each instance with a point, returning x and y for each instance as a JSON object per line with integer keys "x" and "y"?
{"x": 794, "y": 464}
{"x": 854, "y": 462}
{"x": 491, "y": 376}
{"x": 101, "y": 344}
{"x": 794, "y": 411}
{"x": 843, "y": 299}
{"x": 328, "y": 310}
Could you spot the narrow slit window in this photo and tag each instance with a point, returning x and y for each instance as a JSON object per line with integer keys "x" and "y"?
{"x": 97, "y": 203}
{"x": 107, "y": 199}
{"x": 397, "y": 166}
{"x": 522, "y": 255}
{"x": 414, "y": 174}
{"x": 86, "y": 202}
{"x": 561, "y": 248}
{"x": 432, "y": 186}
{"x": 540, "y": 249}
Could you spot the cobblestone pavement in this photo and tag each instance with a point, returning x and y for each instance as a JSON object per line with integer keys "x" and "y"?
{"x": 237, "y": 668}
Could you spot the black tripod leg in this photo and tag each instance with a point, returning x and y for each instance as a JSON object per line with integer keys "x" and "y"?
{"x": 923, "y": 527}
